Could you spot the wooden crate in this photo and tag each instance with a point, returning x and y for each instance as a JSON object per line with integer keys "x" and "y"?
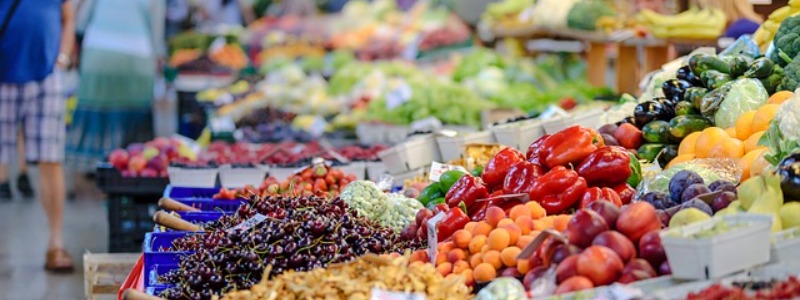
{"x": 104, "y": 273}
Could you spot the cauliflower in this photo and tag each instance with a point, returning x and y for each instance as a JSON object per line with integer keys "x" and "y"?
{"x": 783, "y": 135}
{"x": 401, "y": 212}
{"x": 365, "y": 198}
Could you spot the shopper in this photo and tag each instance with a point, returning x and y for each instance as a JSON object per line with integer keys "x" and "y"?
{"x": 742, "y": 19}
{"x": 225, "y": 12}
{"x": 121, "y": 46}
{"x": 36, "y": 38}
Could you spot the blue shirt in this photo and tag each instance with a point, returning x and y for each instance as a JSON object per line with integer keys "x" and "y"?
{"x": 741, "y": 27}
{"x": 29, "y": 46}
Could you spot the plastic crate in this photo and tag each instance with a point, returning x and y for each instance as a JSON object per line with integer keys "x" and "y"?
{"x": 213, "y": 204}
{"x": 785, "y": 245}
{"x": 230, "y": 177}
{"x": 204, "y": 177}
{"x": 739, "y": 248}
{"x": 375, "y": 169}
{"x": 556, "y": 124}
{"x": 194, "y": 217}
{"x": 151, "y": 276}
{"x": 358, "y": 168}
{"x": 186, "y": 193}
{"x": 111, "y": 182}
{"x": 129, "y": 218}
{"x": 281, "y": 173}
{"x": 154, "y": 242}
{"x": 412, "y": 154}
{"x": 589, "y": 119}
{"x": 371, "y": 133}
{"x": 399, "y": 179}
{"x": 453, "y": 147}
{"x": 518, "y": 134}
{"x": 154, "y": 290}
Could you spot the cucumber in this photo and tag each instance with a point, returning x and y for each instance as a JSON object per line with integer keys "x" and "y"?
{"x": 739, "y": 65}
{"x": 702, "y": 62}
{"x": 695, "y": 95}
{"x": 656, "y": 132}
{"x": 685, "y": 108}
{"x": 667, "y": 154}
{"x": 761, "y": 68}
{"x": 681, "y": 126}
{"x": 648, "y": 152}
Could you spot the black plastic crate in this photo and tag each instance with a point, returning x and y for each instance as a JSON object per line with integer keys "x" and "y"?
{"x": 111, "y": 182}
{"x": 129, "y": 218}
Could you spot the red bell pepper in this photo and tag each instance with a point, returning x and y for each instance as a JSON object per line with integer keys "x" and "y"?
{"x": 600, "y": 194}
{"x": 607, "y": 166}
{"x": 558, "y": 190}
{"x": 536, "y": 151}
{"x": 571, "y": 146}
{"x": 625, "y": 192}
{"x": 521, "y": 176}
{"x": 467, "y": 189}
{"x": 497, "y": 167}
{"x": 454, "y": 219}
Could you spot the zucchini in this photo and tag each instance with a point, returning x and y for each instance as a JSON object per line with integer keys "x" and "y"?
{"x": 760, "y": 68}
{"x": 702, "y": 62}
{"x": 656, "y": 131}
{"x": 695, "y": 95}
{"x": 713, "y": 79}
{"x": 739, "y": 65}
{"x": 685, "y": 108}
{"x": 648, "y": 152}
{"x": 681, "y": 126}
{"x": 666, "y": 155}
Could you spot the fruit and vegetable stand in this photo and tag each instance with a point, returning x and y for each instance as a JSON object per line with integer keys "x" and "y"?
{"x": 689, "y": 192}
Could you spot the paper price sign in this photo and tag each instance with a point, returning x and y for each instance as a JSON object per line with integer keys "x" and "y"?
{"x": 433, "y": 237}
{"x": 381, "y": 294}
{"x": 249, "y": 223}
{"x": 437, "y": 169}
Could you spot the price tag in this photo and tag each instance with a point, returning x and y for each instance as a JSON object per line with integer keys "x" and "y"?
{"x": 216, "y": 45}
{"x": 249, "y": 223}
{"x": 433, "y": 237}
{"x": 437, "y": 169}
{"x": 399, "y": 94}
{"x": 381, "y": 294}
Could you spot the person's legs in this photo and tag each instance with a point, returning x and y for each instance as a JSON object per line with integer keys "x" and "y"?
{"x": 52, "y": 196}
{"x": 23, "y": 181}
{"x": 9, "y": 117}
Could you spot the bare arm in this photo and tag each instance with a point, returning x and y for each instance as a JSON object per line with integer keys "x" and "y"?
{"x": 67, "y": 31}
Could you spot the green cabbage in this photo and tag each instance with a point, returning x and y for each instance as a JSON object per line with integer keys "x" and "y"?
{"x": 744, "y": 95}
{"x": 783, "y": 135}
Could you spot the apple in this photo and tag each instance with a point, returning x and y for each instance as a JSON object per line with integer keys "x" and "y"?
{"x": 607, "y": 210}
{"x": 128, "y": 173}
{"x": 511, "y": 272}
{"x": 158, "y": 163}
{"x": 135, "y": 149}
{"x": 148, "y": 172}
{"x": 150, "y": 152}
{"x": 665, "y": 268}
{"x": 600, "y": 264}
{"x": 637, "y": 219}
{"x": 663, "y": 216}
{"x": 567, "y": 268}
{"x": 163, "y": 173}
{"x": 161, "y": 142}
{"x": 532, "y": 275}
{"x": 574, "y": 284}
{"x": 633, "y": 276}
{"x": 119, "y": 159}
{"x": 617, "y": 242}
{"x": 639, "y": 264}
{"x": 584, "y": 226}
{"x": 137, "y": 164}
{"x": 651, "y": 250}
{"x": 562, "y": 251}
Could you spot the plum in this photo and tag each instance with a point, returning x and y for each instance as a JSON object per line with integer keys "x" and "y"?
{"x": 680, "y": 181}
{"x": 659, "y": 200}
{"x": 722, "y": 185}
{"x": 693, "y": 191}
{"x": 699, "y": 204}
{"x": 722, "y": 200}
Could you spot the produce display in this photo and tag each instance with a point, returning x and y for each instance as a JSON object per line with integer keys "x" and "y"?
{"x": 150, "y": 159}
{"x": 317, "y": 180}
{"x": 692, "y": 24}
{"x": 773, "y": 289}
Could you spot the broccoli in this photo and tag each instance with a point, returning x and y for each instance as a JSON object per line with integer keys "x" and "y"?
{"x": 787, "y": 41}
{"x": 791, "y": 76}
{"x": 584, "y": 15}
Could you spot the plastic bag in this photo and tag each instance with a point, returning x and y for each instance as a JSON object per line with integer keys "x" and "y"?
{"x": 552, "y": 13}
{"x": 710, "y": 169}
{"x": 724, "y": 105}
{"x": 743, "y": 46}
{"x": 504, "y": 288}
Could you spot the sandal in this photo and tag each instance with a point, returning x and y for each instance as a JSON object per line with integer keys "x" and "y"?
{"x": 58, "y": 260}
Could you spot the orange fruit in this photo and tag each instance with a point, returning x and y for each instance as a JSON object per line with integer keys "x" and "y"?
{"x": 475, "y": 260}
{"x": 441, "y": 257}
{"x": 747, "y": 160}
{"x": 444, "y": 268}
{"x": 751, "y": 143}
{"x": 728, "y": 148}
{"x": 519, "y": 211}
{"x": 504, "y": 222}
{"x": 525, "y": 224}
{"x": 679, "y": 159}
{"x": 492, "y": 257}
{"x": 455, "y": 255}
{"x": 468, "y": 276}
{"x": 687, "y": 144}
{"x": 513, "y": 232}
{"x": 709, "y": 138}
{"x": 461, "y": 238}
{"x": 484, "y": 273}
{"x": 446, "y": 246}
{"x": 731, "y": 132}
{"x": 499, "y": 239}
{"x": 482, "y": 228}
{"x": 537, "y": 211}
{"x": 509, "y": 256}
{"x": 485, "y": 248}
{"x": 494, "y": 214}
{"x": 470, "y": 226}
{"x": 460, "y": 266}
{"x": 477, "y": 243}
{"x": 524, "y": 240}
{"x": 780, "y": 97}
{"x": 763, "y": 116}
{"x": 523, "y": 266}
{"x": 743, "y": 125}
{"x": 560, "y": 222}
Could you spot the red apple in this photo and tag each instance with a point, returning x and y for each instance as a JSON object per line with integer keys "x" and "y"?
{"x": 119, "y": 159}
{"x": 574, "y": 284}
{"x": 567, "y": 268}
{"x": 532, "y": 275}
{"x": 163, "y": 173}
{"x": 639, "y": 264}
{"x": 161, "y": 142}
{"x": 651, "y": 250}
{"x": 158, "y": 163}
{"x": 607, "y": 210}
{"x": 148, "y": 172}
{"x": 665, "y": 268}
{"x": 617, "y": 242}
{"x": 600, "y": 264}
{"x": 637, "y": 219}
{"x": 584, "y": 226}
{"x": 511, "y": 272}
{"x": 137, "y": 164}
{"x": 633, "y": 276}
{"x": 135, "y": 149}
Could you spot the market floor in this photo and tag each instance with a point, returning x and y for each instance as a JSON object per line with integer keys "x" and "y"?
{"x": 23, "y": 239}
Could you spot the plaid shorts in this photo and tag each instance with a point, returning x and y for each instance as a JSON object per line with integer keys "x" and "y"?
{"x": 39, "y": 107}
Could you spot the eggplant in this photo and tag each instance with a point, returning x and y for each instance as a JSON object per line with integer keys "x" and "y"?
{"x": 630, "y": 120}
{"x": 739, "y": 65}
{"x": 649, "y": 111}
{"x": 789, "y": 170}
{"x": 686, "y": 74}
{"x": 674, "y": 89}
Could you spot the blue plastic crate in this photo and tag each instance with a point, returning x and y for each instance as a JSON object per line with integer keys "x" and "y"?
{"x": 211, "y": 205}
{"x": 155, "y": 290}
{"x": 186, "y": 193}
{"x": 195, "y": 217}
{"x": 151, "y": 277}
{"x": 201, "y": 198}
{"x": 155, "y": 241}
